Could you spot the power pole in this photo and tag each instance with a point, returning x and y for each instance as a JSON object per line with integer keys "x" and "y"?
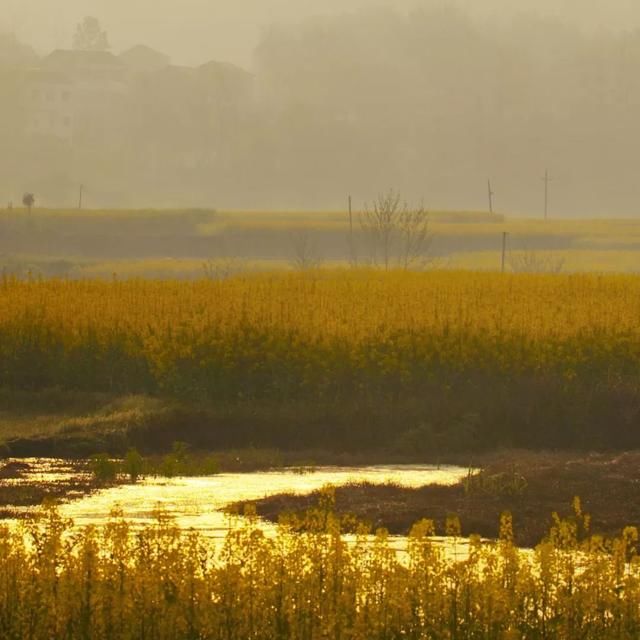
{"x": 504, "y": 249}
{"x": 491, "y": 194}
{"x": 546, "y": 181}
{"x": 80, "y": 198}
{"x": 352, "y": 253}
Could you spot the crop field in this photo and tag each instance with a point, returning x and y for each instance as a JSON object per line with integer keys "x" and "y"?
{"x": 167, "y": 584}
{"x": 445, "y": 359}
{"x": 178, "y": 243}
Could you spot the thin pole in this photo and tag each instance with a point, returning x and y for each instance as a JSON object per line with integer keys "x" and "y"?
{"x": 504, "y": 249}
{"x": 80, "y": 199}
{"x": 491, "y": 194}
{"x": 351, "y": 247}
{"x": 546, "y": 193}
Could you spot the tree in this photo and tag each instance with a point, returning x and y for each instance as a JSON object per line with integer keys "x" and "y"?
{"x": 28, "y": 200}
{"x": 379, "y": 223}
{"x": 415, "y": 238}
{"x": 305, "y": 253}
{"x": 392, "y": 229}
{"x": 89, "y": 36}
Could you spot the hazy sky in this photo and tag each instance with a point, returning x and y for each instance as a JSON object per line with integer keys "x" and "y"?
{"x": 194, "y": 31}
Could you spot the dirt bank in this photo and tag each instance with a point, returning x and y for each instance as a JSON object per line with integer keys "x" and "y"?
{"x": 530, "y": 485}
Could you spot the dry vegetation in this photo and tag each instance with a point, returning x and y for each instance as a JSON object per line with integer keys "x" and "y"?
{"x": 530, "y": 485}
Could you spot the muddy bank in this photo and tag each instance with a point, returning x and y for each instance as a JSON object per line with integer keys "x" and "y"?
{"x": 530, "y": 485}
{"x": 26, "y": 484}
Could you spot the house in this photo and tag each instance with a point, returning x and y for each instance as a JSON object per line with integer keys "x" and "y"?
{"x": 143, "y": 59}
{"x": 96, "y": 67}
{"x": 75, "y": 94}
{"x": 225, "y": 83}
{"x": 99, "y": 100}
{"x": 50, "y": 104}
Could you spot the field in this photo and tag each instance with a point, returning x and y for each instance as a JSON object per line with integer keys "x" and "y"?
{"x": 163, "y": 583}
{"x": 423, "y": 362}
{"x": 178, "y": 243}
{"x": 170, "y": 330}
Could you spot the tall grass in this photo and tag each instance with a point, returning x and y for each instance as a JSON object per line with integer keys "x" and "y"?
{"x": 163, "y": 583}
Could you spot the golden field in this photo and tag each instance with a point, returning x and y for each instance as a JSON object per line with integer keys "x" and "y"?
{"x": 161, "y": 583}
{"x": 504, "y": 357}
{"x": 361, "y": 322}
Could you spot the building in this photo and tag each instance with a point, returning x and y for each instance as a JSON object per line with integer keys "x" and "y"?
{"x": 143, "y": 59}
{"x": 50, "y": 99}
{"x": 74, "y": 93}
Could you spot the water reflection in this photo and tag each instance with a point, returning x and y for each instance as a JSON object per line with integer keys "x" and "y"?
{"x": 198, "y": 503}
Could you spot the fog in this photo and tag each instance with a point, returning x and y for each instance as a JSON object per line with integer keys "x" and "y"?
{"x": 302, "y": 104}
{"x": 193, "y": 30}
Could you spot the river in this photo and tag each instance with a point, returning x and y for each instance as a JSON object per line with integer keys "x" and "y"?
{"x": 198, "y": 502}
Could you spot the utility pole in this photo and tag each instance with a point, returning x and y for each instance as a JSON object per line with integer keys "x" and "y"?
{"x": 352, "y": 253}
{"x": 546, "y": 181}
{"x": 80, "y": 198}
{"x": 491, "y": 194}
{"x": 504, "y": 249}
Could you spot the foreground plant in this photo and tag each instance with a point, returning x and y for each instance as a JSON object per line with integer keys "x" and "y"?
{"x": 159, "y": 582}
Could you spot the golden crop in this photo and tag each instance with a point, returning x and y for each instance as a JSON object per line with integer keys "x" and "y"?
{"x": 161, "y": 583}
{"x": 279, "y": 333}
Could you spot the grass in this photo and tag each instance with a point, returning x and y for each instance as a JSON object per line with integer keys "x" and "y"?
{"x": 575, "y": 260}
{"x": 245, "y": 436}
{"x": 176, "y": 243}
{"x": 56, "y": 420}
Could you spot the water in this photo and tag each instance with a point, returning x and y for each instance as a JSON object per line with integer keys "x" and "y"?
{"x": 198, "y": 503}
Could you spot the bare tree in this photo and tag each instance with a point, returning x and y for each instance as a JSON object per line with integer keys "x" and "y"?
{"x": 379, "y": 223}
{"x": 415, "y": 239}
{"x": 393, "y": 230}
{"x": 305, "y": 251}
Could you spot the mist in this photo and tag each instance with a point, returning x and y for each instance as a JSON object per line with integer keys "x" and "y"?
{"x": 285, "y": 105}
{"x": 192, "y": 30}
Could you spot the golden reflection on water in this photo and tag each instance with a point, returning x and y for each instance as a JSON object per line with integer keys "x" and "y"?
{"x": 198, "y": 503}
